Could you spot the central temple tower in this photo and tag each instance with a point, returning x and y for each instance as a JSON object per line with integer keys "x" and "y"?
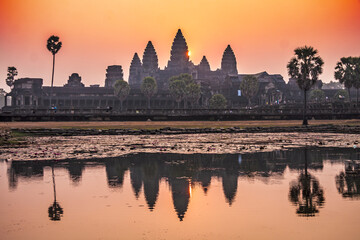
{"x": 179, "y": 57}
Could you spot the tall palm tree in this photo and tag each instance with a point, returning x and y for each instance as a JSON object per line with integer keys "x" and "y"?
{"x": 53, "y": 45}
{"x": 305, "y": 67}
{"x": 345, "y": 72}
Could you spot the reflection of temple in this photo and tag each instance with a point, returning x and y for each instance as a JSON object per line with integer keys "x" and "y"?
{"x": 75, "y": 170}
{"x": 115, "y": 171}
{"x": 24, "y": 171}
{"x": 151, "y": 183}
{"x": 180, "y": 189}
{"x": 230, "y": 183}
{"x": 182, "y": 172}
{"x": 136, "y": 179}
{"x": 348, "y": 182}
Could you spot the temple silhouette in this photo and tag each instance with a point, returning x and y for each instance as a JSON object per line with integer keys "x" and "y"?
{"x": 29, "y": 94}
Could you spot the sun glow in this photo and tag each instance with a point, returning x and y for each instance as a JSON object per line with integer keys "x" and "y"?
{"x": 189, "y": 53}
{"x": 190, "y": 190}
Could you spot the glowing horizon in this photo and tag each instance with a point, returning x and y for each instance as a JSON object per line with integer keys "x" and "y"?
{"x": 96, "y": 34}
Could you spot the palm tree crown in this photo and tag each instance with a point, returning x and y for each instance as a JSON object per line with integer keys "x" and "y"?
{"x": 305, "y": 67}
{"x": 53, "y": 44}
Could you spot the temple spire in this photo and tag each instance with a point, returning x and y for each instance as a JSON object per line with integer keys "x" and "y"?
{"x": 179, "y": 52}
{"x": 228, "y": 62}
{"x": 135, "y": 72}
{"x": 150, "y": 59}
{"x": 204, "y": 64}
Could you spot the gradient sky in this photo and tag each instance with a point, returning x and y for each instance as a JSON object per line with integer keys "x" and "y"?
{"x": 95, "y": 34}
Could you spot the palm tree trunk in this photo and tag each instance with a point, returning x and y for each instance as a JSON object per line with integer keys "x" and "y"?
{"x": 53, "y": 178}
{"x": 306, "y": 162}
{"x": 305, "y": 122}
{"x": 357, "y": 97}
{"x": 121, "y": 105}
{"x": 148, "y": 102}
{"x": 52, "y": 79}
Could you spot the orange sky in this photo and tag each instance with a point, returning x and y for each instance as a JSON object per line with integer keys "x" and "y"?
{"x": 95, "y": 34}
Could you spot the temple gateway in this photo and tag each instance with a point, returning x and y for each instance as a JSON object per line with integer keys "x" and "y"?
{"x": 29, "y": 93}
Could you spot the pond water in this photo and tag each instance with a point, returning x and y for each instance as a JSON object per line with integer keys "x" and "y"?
{"x": 293, "y": 194}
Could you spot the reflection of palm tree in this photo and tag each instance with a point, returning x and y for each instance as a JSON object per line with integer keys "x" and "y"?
{"x": 55, "y": 210}
{"x": 307, "y": 193}
{"x": 348, "y": 185}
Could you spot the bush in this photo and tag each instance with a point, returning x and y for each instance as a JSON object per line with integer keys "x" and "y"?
{"x": 217, "y": 101}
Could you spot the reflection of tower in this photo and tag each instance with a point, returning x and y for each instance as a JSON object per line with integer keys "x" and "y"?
{"x": 55, "y": 211}
{"x": 24, "y": 170}
{"x": 348, "y": 182}
{"x": 306, "y": 193}
{"x": 12, "y": 178}
{"x": 115, "y": 171}
{"x": 151, "y": 183}
{"x": 136, "y": 179}
{"x": 230, "y": 182}
{"x": 75, "y": 171}
{"x": 204, "y": 177}
{"x": 180, "y": 188}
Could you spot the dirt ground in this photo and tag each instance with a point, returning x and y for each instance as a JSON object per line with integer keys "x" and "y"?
{"x": 175, "y": 124}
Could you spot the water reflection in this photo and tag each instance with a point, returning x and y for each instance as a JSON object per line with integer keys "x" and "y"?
{"x": 182, "y": 172}
{"x": 306, "y": 192}
{"x": 348, "y": 182}
{"x": 55, "y": 210}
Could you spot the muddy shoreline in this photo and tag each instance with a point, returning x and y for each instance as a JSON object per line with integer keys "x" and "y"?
{"x": 109, "y": 146}
{"x": 325, "y": 128}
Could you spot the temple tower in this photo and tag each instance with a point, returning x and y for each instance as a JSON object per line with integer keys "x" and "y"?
{"x": 228, "y": 62}
{"x": 113, "y": 73}
{"x": 204, "y": 65}
{"x": 135, "y": 72}
{"x": 74, "y": 81}
{"x": 150, "y": 60}
{"x": 179, "y": 52}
